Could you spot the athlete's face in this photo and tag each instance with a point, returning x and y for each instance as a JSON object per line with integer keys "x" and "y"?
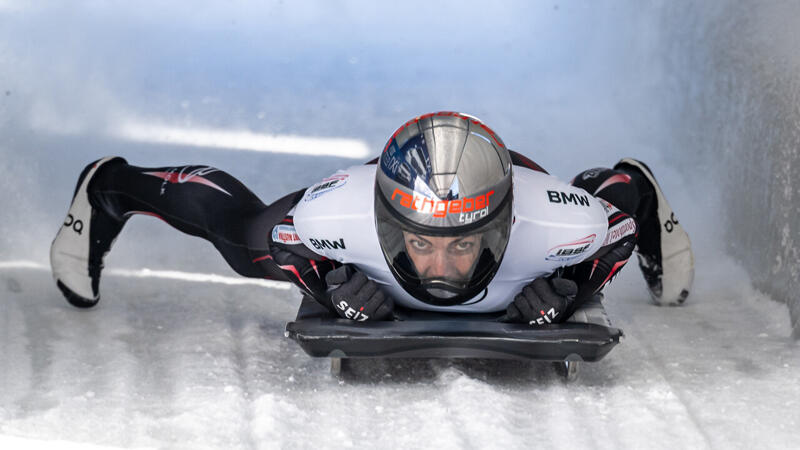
{"x": 442, "y": 257}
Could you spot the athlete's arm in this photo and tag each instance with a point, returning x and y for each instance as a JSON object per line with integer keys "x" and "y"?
{"x": 593, "y": 274}
{"x": 299, "y": 264}
{"x": 288, "y": 259}
{"x": 554, "y": 298}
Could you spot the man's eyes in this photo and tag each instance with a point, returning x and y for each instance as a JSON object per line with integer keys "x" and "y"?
{"x": 461, "y": 246}
{"x": 419, "y": 245}
{"x": 464, "y": 245}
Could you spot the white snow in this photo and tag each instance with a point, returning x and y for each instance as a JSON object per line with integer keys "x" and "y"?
{"x": 195, "y": 364}
{"x": 180, "y": 353}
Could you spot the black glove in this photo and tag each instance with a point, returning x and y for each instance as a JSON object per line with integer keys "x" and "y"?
{"x": 543, "y": 301}
{"x": 356, "y": 297}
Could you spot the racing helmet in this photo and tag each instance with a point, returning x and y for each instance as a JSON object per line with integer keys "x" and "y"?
{"x": 443, "y": 207}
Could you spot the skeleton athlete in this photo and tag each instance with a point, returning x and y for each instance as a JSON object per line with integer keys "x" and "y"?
{"x": 446, "y": 219}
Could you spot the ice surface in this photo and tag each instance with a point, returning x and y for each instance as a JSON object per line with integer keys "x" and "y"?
{"x": 187, "y": 362}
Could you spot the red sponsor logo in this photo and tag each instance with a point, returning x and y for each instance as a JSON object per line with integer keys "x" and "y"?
{"x": 441, "y": 208}
{"x": 285, "y": 234}
{"x": 288, "y": 237}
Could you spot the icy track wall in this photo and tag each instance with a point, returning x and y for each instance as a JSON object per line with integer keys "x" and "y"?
{"x": 735, "y": 81}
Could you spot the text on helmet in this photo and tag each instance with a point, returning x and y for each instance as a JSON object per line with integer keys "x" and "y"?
{"x": 441, "y": 208}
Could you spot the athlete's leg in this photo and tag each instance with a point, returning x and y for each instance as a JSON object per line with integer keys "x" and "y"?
{"x": 629, "y": 192}
{"x": 631, "y": 187}
{"x": 198, "y": 200}
{"x": 664, "y": 249}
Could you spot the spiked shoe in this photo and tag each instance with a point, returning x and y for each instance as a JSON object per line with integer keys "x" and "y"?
{"x": 76, "y": 255}
{"x": 664, "y": 249}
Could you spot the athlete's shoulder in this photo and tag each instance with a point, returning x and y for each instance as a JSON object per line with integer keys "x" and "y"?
{"x": 560, "y": 224}
{"x": 349, "y": 181}
{"x": 348, "y": 191}
{"x": 335, "y": 216}
{"x": 541, "y": 196}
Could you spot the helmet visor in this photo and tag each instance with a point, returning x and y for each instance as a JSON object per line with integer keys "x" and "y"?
{"x": 443, "y": 269}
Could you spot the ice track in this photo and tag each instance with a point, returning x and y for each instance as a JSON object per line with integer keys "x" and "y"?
{"x": 186, "y": 364}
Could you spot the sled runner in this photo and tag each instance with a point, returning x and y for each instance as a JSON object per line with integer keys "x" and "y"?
{"x": 587, "y": 336}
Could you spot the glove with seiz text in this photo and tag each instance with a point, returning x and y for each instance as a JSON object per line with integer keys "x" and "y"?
{"x": 356, "y": 297}
{"x": 543, "y": 301}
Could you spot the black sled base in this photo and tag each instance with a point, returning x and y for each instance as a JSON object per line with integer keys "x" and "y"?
{"x": 424, "y": 334}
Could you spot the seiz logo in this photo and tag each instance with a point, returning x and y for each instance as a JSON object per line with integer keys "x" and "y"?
{"x": 76, "y": 225}
{"x": 565, "y": 252}
{"x": 351, "y": 313}
{"x": 669, "y": 225}
{"x": 564, "y": 198}
{"x": 478, "y": 206}
{"x": 547, "y": 317}
{"x": 320, "y": 244}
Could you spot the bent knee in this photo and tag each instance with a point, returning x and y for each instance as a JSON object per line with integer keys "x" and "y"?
{"x": 611, "y": 185}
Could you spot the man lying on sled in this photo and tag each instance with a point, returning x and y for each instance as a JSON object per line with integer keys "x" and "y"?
{"x": 447, "y": 219}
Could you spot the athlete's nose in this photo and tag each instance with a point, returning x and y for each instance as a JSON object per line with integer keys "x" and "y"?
{"x": 439, "y": 265}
